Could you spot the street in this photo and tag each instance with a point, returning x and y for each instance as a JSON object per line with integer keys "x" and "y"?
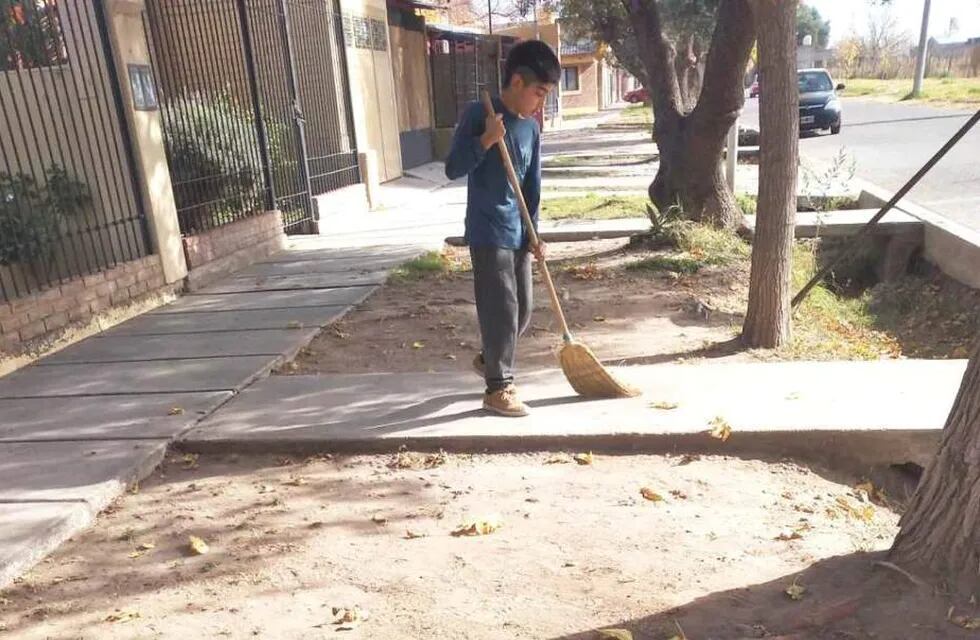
{"x": 890, "y": 141}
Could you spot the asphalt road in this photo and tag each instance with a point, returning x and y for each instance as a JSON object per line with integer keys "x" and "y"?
{"x": 890, "y": 141}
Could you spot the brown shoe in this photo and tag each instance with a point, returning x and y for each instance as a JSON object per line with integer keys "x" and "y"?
{"x": 479, "y": 365}
{"x": 505, "y": 403}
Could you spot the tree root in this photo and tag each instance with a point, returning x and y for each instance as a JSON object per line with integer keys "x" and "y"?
{"x": 894, "y": 567}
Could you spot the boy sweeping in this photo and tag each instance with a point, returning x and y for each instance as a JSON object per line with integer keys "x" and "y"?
{"x": 494, "y": 230}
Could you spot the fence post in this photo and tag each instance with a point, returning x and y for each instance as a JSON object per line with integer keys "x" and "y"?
{"x": 293, "y": 84}
{"x": 253, "y": 84}
{"x": 124, "y": 22}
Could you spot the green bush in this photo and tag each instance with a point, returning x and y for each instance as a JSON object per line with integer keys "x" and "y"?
{"x": 32, "y": 215}
{"x": 215, "y": 157}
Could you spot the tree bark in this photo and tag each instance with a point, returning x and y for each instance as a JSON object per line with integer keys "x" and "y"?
{"x": 690, "y": 142}
{"x": 940, "y": 531}
{"x": 767, "y": 322}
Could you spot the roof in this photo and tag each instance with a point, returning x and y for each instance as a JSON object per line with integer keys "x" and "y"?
{"x": 580, "y": 47}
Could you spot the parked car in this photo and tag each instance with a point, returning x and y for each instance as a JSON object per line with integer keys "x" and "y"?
{"x": 754, "y": 89}
{"x": 637, "y": 96}
{"x": 820, "y": 108}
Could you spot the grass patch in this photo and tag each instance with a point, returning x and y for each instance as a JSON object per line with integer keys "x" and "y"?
{"x": 593, "y": 206}
{"x": 618, "y": 160}
{"x": 945, "y": 90}
{"x": 829, "y": 326}
{"x": 675, "y": 264}
{"x": 747, "y": 203}
{"x": 697, "y": 247}
{"x": 579, "y": 115}
{"x": 431, "y": 263}
{"x": 636, "y": 114}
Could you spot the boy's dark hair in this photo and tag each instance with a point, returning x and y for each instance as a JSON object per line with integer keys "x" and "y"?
{"x": 534, "y": 61}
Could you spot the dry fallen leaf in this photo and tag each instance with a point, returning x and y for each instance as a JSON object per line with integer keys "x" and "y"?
{"x": 296, "y": 481}
{"x": 295, "y": 325}
{"x": 721, "y": 429}
{"x": 786, "y": 537}
{"x": 966, "y": 622}
{"x": 418, "y": 345}
{"x": 379, "y": 519}
{"x": 146, "y": 546}
{"x": 413, "y": 535}
{"x": 559, "y": 458}
{"x": 123, "y": 616}
{"x": 865, "y": 513}
{"x": 197, "y": 546}
{"x": 190, "y": 460}
{"x": 176, "y": 411}
{"x": 599, "y": 319}
{"x": 584, "y": 458}
{"x": 481, "y": 527}
{"x": 651, "y": 495}
{"x": 348, "y": 618}
{"x": 615, "y": 634}
{"x": 414, "y": 460}
{"x": 664, "y": 406}
{"x": 795, "y": 591}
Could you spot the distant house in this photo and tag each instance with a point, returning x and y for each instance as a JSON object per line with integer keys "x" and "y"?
{"x": 813, "y": 57}
{"x": 589, "y": 82}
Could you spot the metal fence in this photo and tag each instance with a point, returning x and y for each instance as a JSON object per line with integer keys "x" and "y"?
{"x": 255, "y": 106}
{"x": 68, "y": 191}
{"x": 463, "y": 64}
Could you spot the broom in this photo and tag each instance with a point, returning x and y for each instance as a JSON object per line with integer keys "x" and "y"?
{"x": 582, "y": 368}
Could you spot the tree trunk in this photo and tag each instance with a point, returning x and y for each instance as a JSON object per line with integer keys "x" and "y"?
{"x": 940, "y": 531}
{"x": 767, "y": 323}
{"x": 690, "y": 144}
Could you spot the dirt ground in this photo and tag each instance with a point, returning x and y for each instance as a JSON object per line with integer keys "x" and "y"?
{"x": 626, "y": 317}
{"x": 578, "y": 548}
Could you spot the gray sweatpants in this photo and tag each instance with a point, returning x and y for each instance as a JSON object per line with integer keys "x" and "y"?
{"x": 502, "y": 283}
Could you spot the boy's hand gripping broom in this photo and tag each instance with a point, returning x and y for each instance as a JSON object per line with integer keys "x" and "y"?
{"x": 584, "y": 371}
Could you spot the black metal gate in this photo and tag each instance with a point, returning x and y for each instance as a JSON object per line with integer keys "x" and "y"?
{"x": 255, "y": 104}
{"x": 463, "y": 64}
{"x": 69, "y": 200}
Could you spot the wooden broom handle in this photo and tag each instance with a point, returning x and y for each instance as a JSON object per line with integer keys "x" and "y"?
{"x": 526, "y": 215}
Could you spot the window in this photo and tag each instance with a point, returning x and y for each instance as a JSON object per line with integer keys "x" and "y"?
{"x": 569, "y": 79}
{"x": 30, "y": 35}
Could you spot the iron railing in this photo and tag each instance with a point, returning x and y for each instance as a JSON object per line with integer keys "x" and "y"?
{"x": 463, "y": 65}
{"x": 255, "y": 106}
{"x": 69, "y": 203}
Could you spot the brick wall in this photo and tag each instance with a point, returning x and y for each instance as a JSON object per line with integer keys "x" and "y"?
{"x": 587, "y": 97}
{"x": 38, "y": 315}
{"x": 226, "y": 240}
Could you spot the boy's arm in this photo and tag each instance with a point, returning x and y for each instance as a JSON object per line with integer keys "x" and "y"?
{"x": 532, "y": 182}
{"x": 467, "y": 151}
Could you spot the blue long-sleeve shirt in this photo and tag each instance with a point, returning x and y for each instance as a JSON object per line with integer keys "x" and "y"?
{"x": 492, "y": 214}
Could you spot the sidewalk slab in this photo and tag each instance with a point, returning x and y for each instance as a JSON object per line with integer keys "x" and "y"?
{"x": 332, "y": 266}
{"x": 99, "y": 418}
{"x": 267, "y": 300}
{"x": 128, "y": 378}
{"x": 92, "y": 472}
{"x": 118, "y": 348}
{"x": 229, "y": 321}
{"x": 245, "y": 284}
{"x": 30, "y": 531}
{"x": 311, "y": 248}
{"x": 901, "y": 404}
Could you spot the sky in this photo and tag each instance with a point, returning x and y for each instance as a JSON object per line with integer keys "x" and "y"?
{"x": 851, "y": 16}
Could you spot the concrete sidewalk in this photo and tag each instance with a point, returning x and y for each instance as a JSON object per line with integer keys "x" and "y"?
{"x": 855, "y": 414}
{"x": 80, "y": 426}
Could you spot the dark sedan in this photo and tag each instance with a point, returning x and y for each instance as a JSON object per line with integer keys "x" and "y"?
{"x": 820, "y": 107}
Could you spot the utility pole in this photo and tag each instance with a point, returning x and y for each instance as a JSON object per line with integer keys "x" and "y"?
{"x": 920, "y": 63}
{"x": 490, "y": 16}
